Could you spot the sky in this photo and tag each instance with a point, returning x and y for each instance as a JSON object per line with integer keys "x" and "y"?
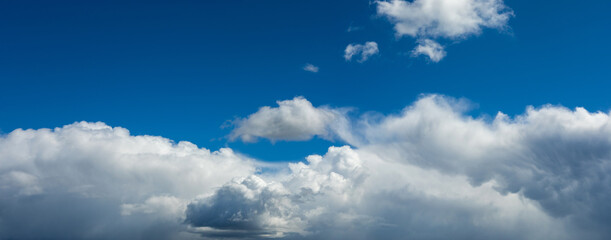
{"x": 393, "y": 119}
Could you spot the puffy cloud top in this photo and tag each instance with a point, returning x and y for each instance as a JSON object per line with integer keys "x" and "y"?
{"x": 444, "y": 18}
{"x": 290, "y": 207}
{"x": 453, "y": 19}
{"x": 430, "y": 48}
{"x": 294, "y": 119}
{"x": 552, "y": 155}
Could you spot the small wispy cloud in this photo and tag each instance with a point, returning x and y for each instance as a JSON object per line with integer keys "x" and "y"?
{"x": 353, "y": 28}
{"x": 310, "y": 68}
{"x": 431, "y": 49}
{"x": 364, "y": 50}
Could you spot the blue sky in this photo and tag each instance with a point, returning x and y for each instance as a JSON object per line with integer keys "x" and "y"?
{"x": 347, "y": 119}
{"x": 182, "y": 69}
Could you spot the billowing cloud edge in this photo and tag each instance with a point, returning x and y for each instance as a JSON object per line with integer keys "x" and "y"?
{"x": 431, "y": 171}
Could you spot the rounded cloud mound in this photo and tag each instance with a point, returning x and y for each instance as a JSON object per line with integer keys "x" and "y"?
{"x": 294, "y": 119}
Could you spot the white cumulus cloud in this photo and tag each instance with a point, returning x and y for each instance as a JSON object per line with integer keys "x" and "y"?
{"x": 363, "y": 50}
{"x": 451, "y": 19}
{"x": 294, "y": 119}
{"x": 431, "y": 49}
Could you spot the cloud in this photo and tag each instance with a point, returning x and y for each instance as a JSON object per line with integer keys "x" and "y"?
{"x": 549, "y": 164}
{"x": 310, "y": 68}
{"x": 246, "y": 206}
{"x": 295, "y": 120}
{"x": 431, "y": 49}
{"x": 444, "y": 18}
{"x": 89, "y": 180}
{"x": 364, "y": 50}
{"x": 353, "y": 194}
{"x": 352, "y": 28}
{"x": 428, "y": 172}
{"x": 450, "y": 19}
{"x": 286, "y": 208}
{"x": 554, "y": 156}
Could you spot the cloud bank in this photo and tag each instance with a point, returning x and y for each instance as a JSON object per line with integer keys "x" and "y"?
{"x": 427, "y": 20}
{"x": 428, "y": 172}
{"x": 91, "y": 181}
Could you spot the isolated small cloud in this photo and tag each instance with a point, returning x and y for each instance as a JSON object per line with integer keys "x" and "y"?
{"x": 310, "y": 68}
{"x": 449, "y": 19}
{"x": 292, "y": 120}
{"x": 363, "y": 50}
{"x": 353, "y": 28}
{"x": 431, "y": 49}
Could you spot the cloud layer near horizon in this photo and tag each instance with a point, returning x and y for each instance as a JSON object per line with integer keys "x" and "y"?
{"x": 91, "y": 181}
{"x": 429, "y": 172}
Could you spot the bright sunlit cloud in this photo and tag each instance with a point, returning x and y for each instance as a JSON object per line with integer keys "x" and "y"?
{"x": 426, "y": 20}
